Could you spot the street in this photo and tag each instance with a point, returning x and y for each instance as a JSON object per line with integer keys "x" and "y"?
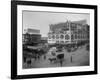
{"x": 80, "y": 57}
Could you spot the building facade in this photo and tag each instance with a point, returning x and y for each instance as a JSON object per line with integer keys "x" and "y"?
{"x": 68, "y": 32}
{"x": 31, "y": 37}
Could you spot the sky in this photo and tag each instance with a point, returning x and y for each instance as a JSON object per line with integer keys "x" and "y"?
{"x": 42, "y": 20}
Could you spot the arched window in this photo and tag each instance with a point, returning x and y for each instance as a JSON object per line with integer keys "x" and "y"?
{"x": 53, "y": 36}
{"x": 62, "y": 36}
{"x": 67, "y": 36}
{"x": 57, "y": 36}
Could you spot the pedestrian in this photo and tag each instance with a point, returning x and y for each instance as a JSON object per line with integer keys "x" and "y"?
{"x": 71, "y": 58}
{"x": 29, "y": 62}
{"x": 61, "y": 58}
{"x": 44, "y": 57}
{"x": 61, "y": 62}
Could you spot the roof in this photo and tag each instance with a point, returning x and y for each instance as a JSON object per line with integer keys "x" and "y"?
{"x": 33, "y": 31}
{"x": 64, "y": 25}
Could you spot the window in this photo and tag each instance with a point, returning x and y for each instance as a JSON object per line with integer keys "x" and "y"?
{"x": 53, "y": 36}
{"x": 73, "y": 26}
{"x": 72, "y": 36}
{"x": 62, "y": 36}
{"x": 57, "y": 36}
{"x": 75, "y": 36}
{"x": 79, "y": 36}
{"x": 61, "y": 42}
{"x": 67, "y": 36}
{"x": 66, "y": 42}
{"x": 49, "y": 36}
{"x": 57, "y": 41}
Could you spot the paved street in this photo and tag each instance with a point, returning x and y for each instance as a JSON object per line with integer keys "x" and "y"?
{"x": 80, "y": 57}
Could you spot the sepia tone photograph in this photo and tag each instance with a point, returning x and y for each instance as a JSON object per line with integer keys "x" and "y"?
{"x": 55, "y": 39}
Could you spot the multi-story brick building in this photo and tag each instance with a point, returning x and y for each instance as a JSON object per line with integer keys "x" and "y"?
{"x": 68, "y": 32}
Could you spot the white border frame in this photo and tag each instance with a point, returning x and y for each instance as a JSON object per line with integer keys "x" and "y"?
{"x": 21, "y": 71}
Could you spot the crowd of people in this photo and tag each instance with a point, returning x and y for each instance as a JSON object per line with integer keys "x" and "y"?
{"x": 56, "y": 52}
